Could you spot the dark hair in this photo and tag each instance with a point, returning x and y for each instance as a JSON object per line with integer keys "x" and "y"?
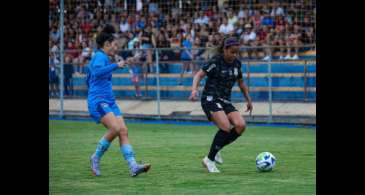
{"x": 107, "y": 34}
{"x": 227, "y": 42}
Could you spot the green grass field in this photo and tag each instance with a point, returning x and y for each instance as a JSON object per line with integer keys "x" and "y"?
{"x": 175, "y": 152}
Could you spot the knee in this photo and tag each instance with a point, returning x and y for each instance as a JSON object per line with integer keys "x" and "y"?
{"x": 225, "y": 127}
{"x": 117, "y": 128}
{"x": 240, "y": 127}
{"x": 123, "y": 131}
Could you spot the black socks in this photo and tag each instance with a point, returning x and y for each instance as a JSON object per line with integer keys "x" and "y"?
{"x": 217, "y": 144}
{"x": 220, "y": 140}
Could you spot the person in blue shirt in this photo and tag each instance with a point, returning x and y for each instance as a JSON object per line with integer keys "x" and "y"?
{"x": 186, "y": 57}
{"x": 102, "y": 104}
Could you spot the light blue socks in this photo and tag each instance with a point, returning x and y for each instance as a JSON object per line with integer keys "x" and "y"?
{"x": 102, "y": 146}
{"x": 127, "y": 151}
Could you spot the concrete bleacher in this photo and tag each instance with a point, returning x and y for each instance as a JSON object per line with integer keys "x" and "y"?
{"x": 291, "y": 81}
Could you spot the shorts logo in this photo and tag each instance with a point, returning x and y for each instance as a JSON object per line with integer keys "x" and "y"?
{"x": 219, "y": 105}
{"x": 104, "y": 105}
{"x": 211, "y": 67}
{"x": 209, "y": 98}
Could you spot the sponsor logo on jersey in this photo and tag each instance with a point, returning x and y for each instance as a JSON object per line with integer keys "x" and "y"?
{"x": 211, "y": 67}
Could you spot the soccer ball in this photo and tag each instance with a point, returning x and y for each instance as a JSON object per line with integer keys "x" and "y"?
{"x": 265, "y": 161}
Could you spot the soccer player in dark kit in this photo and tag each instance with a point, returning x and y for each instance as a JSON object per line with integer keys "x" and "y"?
{"x": 222, "y": 72}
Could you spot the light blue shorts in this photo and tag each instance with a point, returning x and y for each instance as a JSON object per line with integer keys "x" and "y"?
{"x": 98, "y": 110}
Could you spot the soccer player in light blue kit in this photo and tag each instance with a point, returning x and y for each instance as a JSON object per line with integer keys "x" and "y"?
{"x": 102, "y": 105}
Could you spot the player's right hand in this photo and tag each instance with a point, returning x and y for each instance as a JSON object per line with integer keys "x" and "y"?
{"x": 193, "y": 96}
{"x": 121, "y": 64}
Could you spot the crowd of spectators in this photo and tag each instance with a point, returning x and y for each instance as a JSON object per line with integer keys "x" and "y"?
{"x": 147, "y": 24}
{"x": 256, "y": 23}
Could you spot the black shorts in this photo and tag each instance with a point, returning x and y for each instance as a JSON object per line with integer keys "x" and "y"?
{"x": 216, "y": 105}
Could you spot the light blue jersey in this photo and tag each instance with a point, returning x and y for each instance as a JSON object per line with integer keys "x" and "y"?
{"x": 101, "y": 98}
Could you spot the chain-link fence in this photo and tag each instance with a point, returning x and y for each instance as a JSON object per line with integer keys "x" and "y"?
{"x": 174, "y": 39}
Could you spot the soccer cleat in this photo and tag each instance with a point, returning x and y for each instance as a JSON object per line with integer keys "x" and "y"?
{"x": 218, "y": 158}
{"x": 140, "y": 169}
{"x": 95, "y": 162}
{"x": 210, "y": 165}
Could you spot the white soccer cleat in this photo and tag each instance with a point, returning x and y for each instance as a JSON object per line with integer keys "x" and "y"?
{"x": 218, "y": 158}
{"x": 210, "y": 165}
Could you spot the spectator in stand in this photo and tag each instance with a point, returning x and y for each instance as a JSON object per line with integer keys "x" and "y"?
{"x": 267, "y": 20}
{"x": 55, "y": 34}
{"x": 84, "y": 57}
{"x": 175, "y": 42}
{"x": 86, "y": 26}
{"x": 165, "y": 55}
{"x": 277, "y": 9}
{"x": 232, "y": 18}
{"x": 72, "y": 51}
{"x": 308, "y": 31}
{"x": 124, "y": 25}
{"x": 242, "y": 12}
{"x": 140, "y": 22}
{"x": 67, "y": 76}
{"x": 256, "y": 19}
{"x": 210, "y": 48}
{"x": 203, "y": 34}
{"x": 226, "y": 28}
{"x": 202, "y": 19}
{"x": 135, "y": 69}
{"x": 197, "y": 53}
{"x": 240, "y": 26}
{"x": 292, "y": 42}
{"x": 279, "y": 40}
{"x": 148, "y": 41}
{"x": 53, "y": 79}
{"x": 265, "y": 39}
{"x": 186, "y": 57}
{"x": 249, "y": 39}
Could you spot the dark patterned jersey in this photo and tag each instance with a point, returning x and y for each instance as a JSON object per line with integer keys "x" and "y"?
{"x": 221, "y": 76}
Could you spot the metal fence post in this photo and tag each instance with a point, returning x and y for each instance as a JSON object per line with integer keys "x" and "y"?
{"x": 270, "y": 91}
{"x": 305, "y": 80}
{"x": 61, "y": 56}
{"x": 158, "y": 84}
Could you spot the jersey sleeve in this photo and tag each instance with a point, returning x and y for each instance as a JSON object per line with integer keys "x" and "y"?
{"x": 239, "y": 76}
{"x": 210, "y": 67}
{"x": 99, "y": 69}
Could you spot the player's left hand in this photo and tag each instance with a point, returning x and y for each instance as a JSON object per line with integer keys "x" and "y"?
{"x": 249, "y": 107}
{"x": 129, "y": 60}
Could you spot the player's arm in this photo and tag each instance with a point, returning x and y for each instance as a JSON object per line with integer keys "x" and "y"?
{"x": 197, "y": 78}
{"x": 99, "y": 70}
{"x": 245, "y": 92}
{"x": 153, "y": 40}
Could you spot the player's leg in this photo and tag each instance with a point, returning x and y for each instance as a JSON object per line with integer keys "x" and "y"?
{"x": 239, "y": 126}
{"x": 184, "y": 68}
{"x": 221, "y": 120}
{"x": 126, "y": 148}
{"x": 111, "y": 123}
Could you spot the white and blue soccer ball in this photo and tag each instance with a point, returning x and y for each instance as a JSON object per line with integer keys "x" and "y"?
{"x": 265, "y": 161}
